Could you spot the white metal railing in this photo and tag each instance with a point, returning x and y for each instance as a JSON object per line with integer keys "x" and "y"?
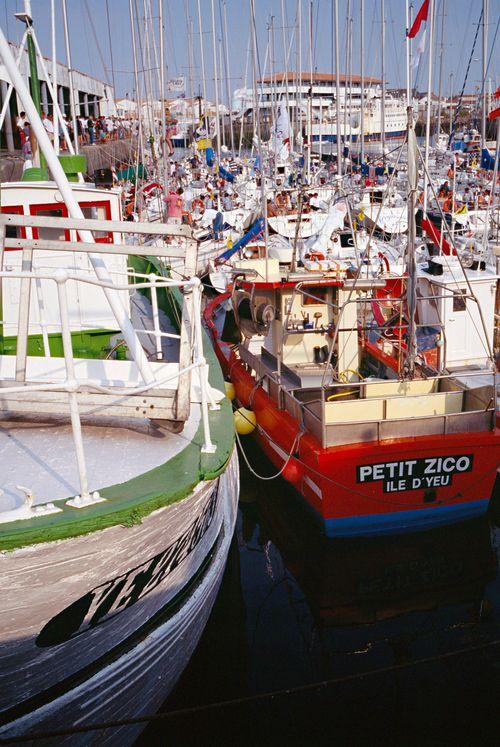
{"x": 191, "y": 356}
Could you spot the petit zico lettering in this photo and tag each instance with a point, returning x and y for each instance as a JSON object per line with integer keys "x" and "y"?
{"x": 415, "y": 474}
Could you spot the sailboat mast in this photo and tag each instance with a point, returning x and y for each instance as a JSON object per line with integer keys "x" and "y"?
{"x": 310, "y": 95}
{"x": 161, "y": 34}
{"x": 441, "y": 56}
{"x": 257, "y": 114}
{"x": 429, "y": 105}
{"x": 411, "y": 287}
{"x": 54, "y": 73}
{"x": 382, "y": 110}
{"x": 228, "y": 83}
{"x": 202, "y": 55}
{"x": 484, "y": 94}
{"x": 362, "y": 70}
{"x": 285, "y": 66}
{"x": 337, "y": 87}
{"x": 347, "y": 44}
{"x": 70, "y": 75}
{"x": 216, "y": 83}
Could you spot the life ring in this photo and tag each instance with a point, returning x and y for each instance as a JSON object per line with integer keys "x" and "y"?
{"x": 385, "y": 261}
{"x": 315, "y": 256}
{"x": 197, "y": 204}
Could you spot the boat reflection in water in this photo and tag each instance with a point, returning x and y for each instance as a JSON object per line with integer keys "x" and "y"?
{"x": 322, "y": 608}
{"x": 313, "y": 638}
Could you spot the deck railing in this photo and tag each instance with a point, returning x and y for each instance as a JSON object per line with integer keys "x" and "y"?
{"x": 23, "y": 395}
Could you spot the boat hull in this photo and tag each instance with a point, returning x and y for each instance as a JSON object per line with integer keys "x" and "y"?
{"x": 109, "y": 620}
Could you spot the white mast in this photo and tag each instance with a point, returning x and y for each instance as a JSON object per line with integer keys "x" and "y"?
{"x": 337, "y": 86}
{"x": 346, "y": 68}
{"x": 382, "y": 110}
{"x": 70, "y": 75}
{"x": 362, "y": 45}
{"x": 216, "y": 82}
{"x": 228, "y": 82}
{"x": 202, "y": 55}
{"x": 441, "y": 55}
{"x": 410, "y": 249}
{"x": 161, "y": 34}
{"x": 285, "y": 67}
{"x": 309, "y": 98}
{"x": 429, "y": 105}
{"x": 408, "y": 68}
{"x": 257, "y": 114}
{"x": 484, "y": 68}
{"x": 54, "y": 74}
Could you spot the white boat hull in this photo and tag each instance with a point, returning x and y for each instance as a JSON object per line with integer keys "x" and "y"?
{"x": 63, "y": 668}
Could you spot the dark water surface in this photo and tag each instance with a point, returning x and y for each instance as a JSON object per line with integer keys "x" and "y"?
{"x": 392, "y": 640}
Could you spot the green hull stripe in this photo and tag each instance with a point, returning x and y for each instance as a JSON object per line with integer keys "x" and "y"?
{"x": 129, "y": 502}
{"x": 93, "y": 343}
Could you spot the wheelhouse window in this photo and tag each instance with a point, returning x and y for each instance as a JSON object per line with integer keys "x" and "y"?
{"x": 14, "y": 232}
{"x": 319, "y": 296}
{"x": 98, "y": 211}
{"x": 53, "y": 233}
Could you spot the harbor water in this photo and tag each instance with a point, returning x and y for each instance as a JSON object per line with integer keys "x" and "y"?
{"x": 312, "y": 641}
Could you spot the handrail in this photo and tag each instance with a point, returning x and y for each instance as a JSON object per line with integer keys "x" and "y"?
{"x": 93, "y": 224}
{"x": 72, "y": 385}
{"x": 141, "y": 250}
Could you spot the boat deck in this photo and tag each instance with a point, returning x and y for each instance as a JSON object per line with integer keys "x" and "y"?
{"x": 41, "y": 456}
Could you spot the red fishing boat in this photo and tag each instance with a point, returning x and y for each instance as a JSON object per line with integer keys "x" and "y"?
{"x": 378, "y": 409}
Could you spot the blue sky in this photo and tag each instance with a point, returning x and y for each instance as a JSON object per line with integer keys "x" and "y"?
{"x": 90, "y": 40}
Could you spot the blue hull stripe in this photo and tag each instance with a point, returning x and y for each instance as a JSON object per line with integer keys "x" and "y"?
{"x": 404, "y": 521}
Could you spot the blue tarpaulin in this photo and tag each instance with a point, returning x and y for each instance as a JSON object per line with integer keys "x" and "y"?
{"x": 226, "y": 175}
{"x": 487, "y": 160}
{"x": 379, "y": 170}
{"x": 256, "y": 229}
{"x": 210, "y": 156}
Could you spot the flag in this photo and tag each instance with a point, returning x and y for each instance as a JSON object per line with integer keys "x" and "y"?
{"x": 494, "y": 114}
{"x": 419, "y": 50}
{"x": 421, "y": 16}
{"x": 496, "y": 95}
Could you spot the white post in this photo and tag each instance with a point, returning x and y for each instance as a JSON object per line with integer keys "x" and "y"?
{"x": 208, "y": 447}
{"x": 429, "y": 106}
{"x": 74, "y": 209}
{"x": 71, "y": 383}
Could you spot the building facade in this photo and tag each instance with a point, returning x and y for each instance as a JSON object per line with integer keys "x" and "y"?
{"x": 92, "y": 96}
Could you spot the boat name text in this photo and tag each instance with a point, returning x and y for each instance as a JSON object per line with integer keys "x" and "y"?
{"x": 415, "y": 474}
{"x": 107, "y": 600}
